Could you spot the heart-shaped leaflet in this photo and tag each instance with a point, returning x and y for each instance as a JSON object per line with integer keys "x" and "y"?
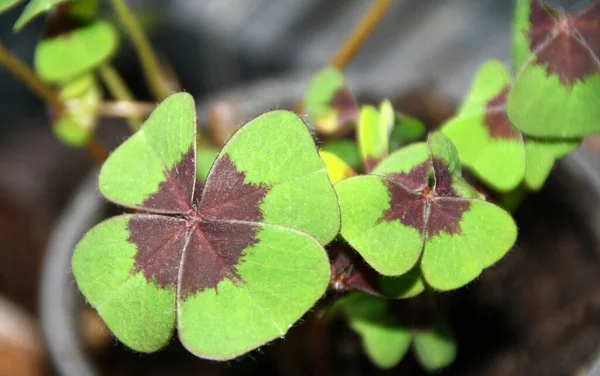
{"x": 232, "y": 264}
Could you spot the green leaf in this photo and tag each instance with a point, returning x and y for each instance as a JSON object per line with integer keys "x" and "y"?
{"x": 84, "y": 10}
{"x": 82, "y": 98}
{"x": 337, "y": 169}
{"x": 373, "y": 132}
{"x": 281, "y": 278}
{"x": 205, "y": 157}
{"x": 406, "y": 131}
{"x": 63, "y": 58}
{"x": 384, "y": 342}
{"x": 486, "y": 141}
{"x": 277, "y": 150}
{"x": 166, "y": 140}
{"x": 541, "y": 156}
{"x": 557, "y": 84}
{"x": 405, "y": 286}
{"x": 141, "y": 313}
{"x": 329, "y": 103}
{"x": 33, "y": 9}
{"x": 416, "y": 206}
{"x": 232, "y": 263}
{"x": 346, "y": 150}
{"x": 434, "y": 347}
{"x": 8, "y": 4}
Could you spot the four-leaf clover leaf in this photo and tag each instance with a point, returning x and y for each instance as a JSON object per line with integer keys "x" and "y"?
{"x": 415, "y": 207}
{"x": 232, "y": 264}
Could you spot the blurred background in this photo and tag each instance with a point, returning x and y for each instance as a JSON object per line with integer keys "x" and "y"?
{"x": 248, "y": 53}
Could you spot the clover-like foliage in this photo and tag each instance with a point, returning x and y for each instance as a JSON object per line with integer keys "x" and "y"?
{"x": 373, "y": 133}
{"x": 329, "y": 102}
{"x": 337, "y": 168}
{"x": 490, "y": 146}
{"x": 65, "y": 57}
{"x": 82, "y": 98}
{"x": 386, "y": 340}
{"x": 557, "y": 85}
{"x": 416, "y": 207}
{"x": 232, "y": 263}
{"x": 33, "y": 9}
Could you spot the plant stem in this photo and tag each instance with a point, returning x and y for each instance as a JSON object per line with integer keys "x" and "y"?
{"x": 97, "y": 151}
{"x": 361, "y": 32}
{"x": 154, "y": 77}
{"x": 119, "y": 90}
{"x": 126, "y": 109}
{"x": 356, "y": 39}
{"x": 30, "y": 79}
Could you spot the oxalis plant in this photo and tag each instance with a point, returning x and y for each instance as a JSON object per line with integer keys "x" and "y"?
{"x": 371, "y": 222}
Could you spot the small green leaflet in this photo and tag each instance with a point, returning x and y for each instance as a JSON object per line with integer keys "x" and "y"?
{"x": 337, "y": 169}
{"x": 346, "y": 150}
{"x": 232, "y": 263}
{"x": 557, "y": 84}
{"x": 329, "y": 103}
{"x": 33, "y": 9}
{"x": 386, "y": 341}
{"x": 205, "y": 157}
{"x": 63, "y": 58}
{"x": 373, "y": 133}
{"x": 404, "y": 286}
{"x": 406, "y": 131}
{"x": 8, "y": 4}
{"x": 415, "y": 207}
{"x": 487, "y": 142}
{"x": 82, "y": 97}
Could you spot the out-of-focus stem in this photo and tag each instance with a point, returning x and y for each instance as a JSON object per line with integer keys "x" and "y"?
{"x": 97, "y": 152}
{"x": 126, "y": 109}
{"x": 356, "y": 39}
{"x": 119, "y": 90}
{"x": 22, "y": 72}
{"x": 360, "y": 34}
{"x": 154, "y": 77}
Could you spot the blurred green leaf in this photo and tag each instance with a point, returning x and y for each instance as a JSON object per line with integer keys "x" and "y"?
{"x": 205, "y": 156}
{"x": 33, "y": 9}
{"x": 346, "y": 150}
{"x": 434, "y": 347}
{"x": 8, "y": 4}
{"x": 384, "y": 342}
{"x": 405, "y": 286}
{"x": 84, "y": 10}
{"x": 337, "y": 169}
{"x": 407, "y": 130}
{"x": 63, "y": 58}
{"x": 329, "y": 103}
{"x": 373, "y": 132}
{"x": 557, "y": 82}
{"x": 82, "y": 98}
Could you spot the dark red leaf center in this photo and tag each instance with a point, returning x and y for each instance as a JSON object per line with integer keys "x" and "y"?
{"x": 566, "y": 43}
{"x": 429, "y": 208}
{"x": 203, "y": 245}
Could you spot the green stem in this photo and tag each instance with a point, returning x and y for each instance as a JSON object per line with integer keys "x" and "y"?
{"x": 356, "y": 39}
{"x": 154, "y": 77}
{"x": 119, "y": 90}
{"x": 126, "y": 109}
{"x": 361, "y": 33}
{"x": 30, "y": 79}
{"x": 96, "y": 150}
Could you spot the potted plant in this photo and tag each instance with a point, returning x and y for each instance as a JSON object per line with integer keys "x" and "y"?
{"x": 232, "y": 247}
